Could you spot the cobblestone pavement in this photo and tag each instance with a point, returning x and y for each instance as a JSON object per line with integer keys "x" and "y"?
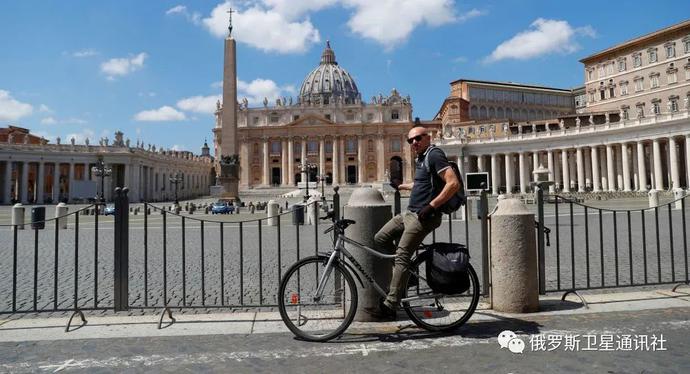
{"x": 265, "y": 256}
{"x": 658, "y": 343}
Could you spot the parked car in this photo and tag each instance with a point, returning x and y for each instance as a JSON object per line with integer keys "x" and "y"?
{"x": 109, "y": 210}
{"x": 220, "y": 208}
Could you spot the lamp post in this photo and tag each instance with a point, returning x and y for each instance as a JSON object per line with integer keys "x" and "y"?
{"x": 305, "y": 168}
{"x": 322, "y": 179}
{"x": 100, "y": 170}
{"x": 177, "y": 179}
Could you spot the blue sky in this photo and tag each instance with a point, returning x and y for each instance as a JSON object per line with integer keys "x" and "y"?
{"x": 152, "y": 68}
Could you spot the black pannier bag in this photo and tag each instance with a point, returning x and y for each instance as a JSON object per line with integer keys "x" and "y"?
{"x": 446, "y": 268}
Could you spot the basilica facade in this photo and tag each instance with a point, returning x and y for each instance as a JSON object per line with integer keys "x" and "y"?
{"x": 328, "y": 132}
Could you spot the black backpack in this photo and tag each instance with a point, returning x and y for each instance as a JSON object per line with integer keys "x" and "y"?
{"x": 457, "y": 200}
{"x": 446, "y": 268}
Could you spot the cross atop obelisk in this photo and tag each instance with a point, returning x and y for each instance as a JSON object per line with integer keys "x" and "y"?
{"x": 230, "y": 12}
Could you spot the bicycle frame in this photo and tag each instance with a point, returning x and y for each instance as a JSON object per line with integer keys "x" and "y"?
{"x": 340, "y": 248}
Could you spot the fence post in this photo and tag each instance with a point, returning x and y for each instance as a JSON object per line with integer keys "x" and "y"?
{"x": 121, "y": 261}
{"x": 483, "y": 214}
{"x": 540, "y": 239}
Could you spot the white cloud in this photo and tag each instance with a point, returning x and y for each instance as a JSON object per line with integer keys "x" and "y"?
{"x": 48, "y": 121}
{"x": 545, "y": 36}
{"x": 381, "y": 20}
{"x": 80, "y": 137}
{"x": 12, "y": 109}
{"x": 44, "y": 109}
{"x": 123, "y": 66}
{"x": 164, "y": 113}
{"x": 218, "y": 84}
{"x": 263, "y": 28}
{"x": 294, "y": 9}
{"x": 258, "y": 89}
{"x": 193, "y": 17}
{"x": 84, "y": 53}
{"x": 67, "y": 121}
{"x": 460, "y": 59}
{"x": 147, "y": 94}
{"x": 199, "y": 104}
{"x": 471, "y": 14}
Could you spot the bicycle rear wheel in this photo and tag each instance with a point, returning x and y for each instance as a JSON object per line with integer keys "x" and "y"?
{"x": 311, "y": 318}
{"x": 437, "y": 312}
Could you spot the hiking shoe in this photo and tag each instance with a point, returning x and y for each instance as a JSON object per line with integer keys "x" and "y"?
{"x": 382, "y": 312}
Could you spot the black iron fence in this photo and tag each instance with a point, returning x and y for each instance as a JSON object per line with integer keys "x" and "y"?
{"x": 165, "y": 260}
{"x": 597, "y": 248}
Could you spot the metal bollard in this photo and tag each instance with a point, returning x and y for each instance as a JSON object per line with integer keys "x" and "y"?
{"x": 18, "y": 216}
{"x": 514, "y": 258}
{"x": 368, "y": 208}
{"x": 60, "y": 211}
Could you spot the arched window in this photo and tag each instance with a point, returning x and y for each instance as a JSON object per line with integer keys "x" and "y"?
{"x": 370, "y": 145}
{"x": 395, "y": 114}
{"x": 509, "y": 113}
{"x": 482, "y": 112}
{"x": 499, "y": 113}
{"x": 492, "y": 112}
{"x": 474, "y": 112}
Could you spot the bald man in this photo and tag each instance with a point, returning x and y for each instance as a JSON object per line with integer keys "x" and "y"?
{"x": 411, "y": 227}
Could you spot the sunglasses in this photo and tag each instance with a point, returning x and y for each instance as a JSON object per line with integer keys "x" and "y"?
{"x": 417, "y": 138}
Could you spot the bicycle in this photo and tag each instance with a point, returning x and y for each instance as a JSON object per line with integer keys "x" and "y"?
{"x": 317, "y": 297}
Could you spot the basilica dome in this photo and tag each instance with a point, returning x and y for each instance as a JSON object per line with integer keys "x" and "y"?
{"x": 328, "y": 82}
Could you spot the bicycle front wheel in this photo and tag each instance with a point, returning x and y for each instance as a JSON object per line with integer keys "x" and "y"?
{"x": 310, "y": 316}
{"x": 433, "y": 311}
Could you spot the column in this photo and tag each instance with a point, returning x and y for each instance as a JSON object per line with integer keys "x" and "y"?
{"x": 603, "y": 170}
{"x": 244, "y": 164}
{"x": 619, "y": 166}
{"x": 361, "y": 167}
{"x": 557, "y": 170}
{"x": 509, "y": 173}
{"x": 56, "y": 183}
{"x": 658, "y": 171}
{"x": 24, "y": 186}
{"x": 40, "y": 184}
{"x": 494, "y": 175}
{"x": 596, "y": 180}
{"x": 480, "y": 163}
{"x": 290, "y": 162}
{"x": 523, "y": 176}
{"x": 343, "y": 173}
{"x": 673, "y": 155}
{"x": 305, "y": 176}
{"x": 408, "y": 167}
{"x": 335, "y": 165}
{"x": 687, "y": 160}
{"x": 626, "y": 167}
{"x": 549, "y": 165}
{"x": 284, "y": 162}
{"x": 535, "y": 164}
{"x": 610, "y": 167}
{"x": 8, "y": 182}
{"x": 587, "y": 154}
{"x": 580, "y": 170}
{"x": 572, "y": 170}
{"x": 265, "y": 168}
{"x": 635, "y": 170}
{"x": 565, "y": 166}
{"x": 381, "y": 158}
{"x": 322, "y": 157}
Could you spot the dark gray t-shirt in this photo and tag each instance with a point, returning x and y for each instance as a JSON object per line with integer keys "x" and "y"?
{"x": 422, "y": 191}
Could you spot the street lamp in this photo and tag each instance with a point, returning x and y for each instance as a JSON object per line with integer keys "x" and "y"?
{"x": 322, "y": 178}
{"x": 305, "y": 168}
{"x": 100, "y": 170}
{"x": 177, "y": 179}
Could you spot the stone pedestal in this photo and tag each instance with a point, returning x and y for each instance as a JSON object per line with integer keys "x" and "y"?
{"x": 18, "y": 216}
{"x": 272, "y": 212}
{"x": 368, "y": 208}
{"x": 653, "y": 198}
{"x": 61, "y": 211}
{"x": 514, "y": 258}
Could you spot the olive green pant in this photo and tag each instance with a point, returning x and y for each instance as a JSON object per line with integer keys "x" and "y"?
{"x": 409, "y": 232}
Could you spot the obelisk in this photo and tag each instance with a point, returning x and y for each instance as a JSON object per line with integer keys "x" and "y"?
{"x": 229, "y": 162}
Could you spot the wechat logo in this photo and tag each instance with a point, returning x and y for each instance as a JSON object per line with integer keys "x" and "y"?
{"x": 508, "y": 339}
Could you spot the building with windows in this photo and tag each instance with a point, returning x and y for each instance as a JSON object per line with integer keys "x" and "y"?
{"x": 627, "y": 130}
{"x": 34, "y": 171}
{"x": 343, "y": 138}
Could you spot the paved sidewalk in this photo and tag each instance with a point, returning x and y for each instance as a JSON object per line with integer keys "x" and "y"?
{"x": 103, "y": 327}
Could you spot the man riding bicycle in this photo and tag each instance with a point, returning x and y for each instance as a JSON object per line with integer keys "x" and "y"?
{"x": 422, "y": 217}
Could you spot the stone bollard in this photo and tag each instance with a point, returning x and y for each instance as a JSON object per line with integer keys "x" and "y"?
{"x": 177, "y": 209}
{"x": 514, "y": 258}
{"x": 272, "y": 213}
{"x": 653, "y": 198}
{"x": 678, "y": 194}
{"x": 61, "y": 210}
{"x": 206, "y": 210}
{"x": 370, "y": 212}
{"x": 18, "y": 216}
